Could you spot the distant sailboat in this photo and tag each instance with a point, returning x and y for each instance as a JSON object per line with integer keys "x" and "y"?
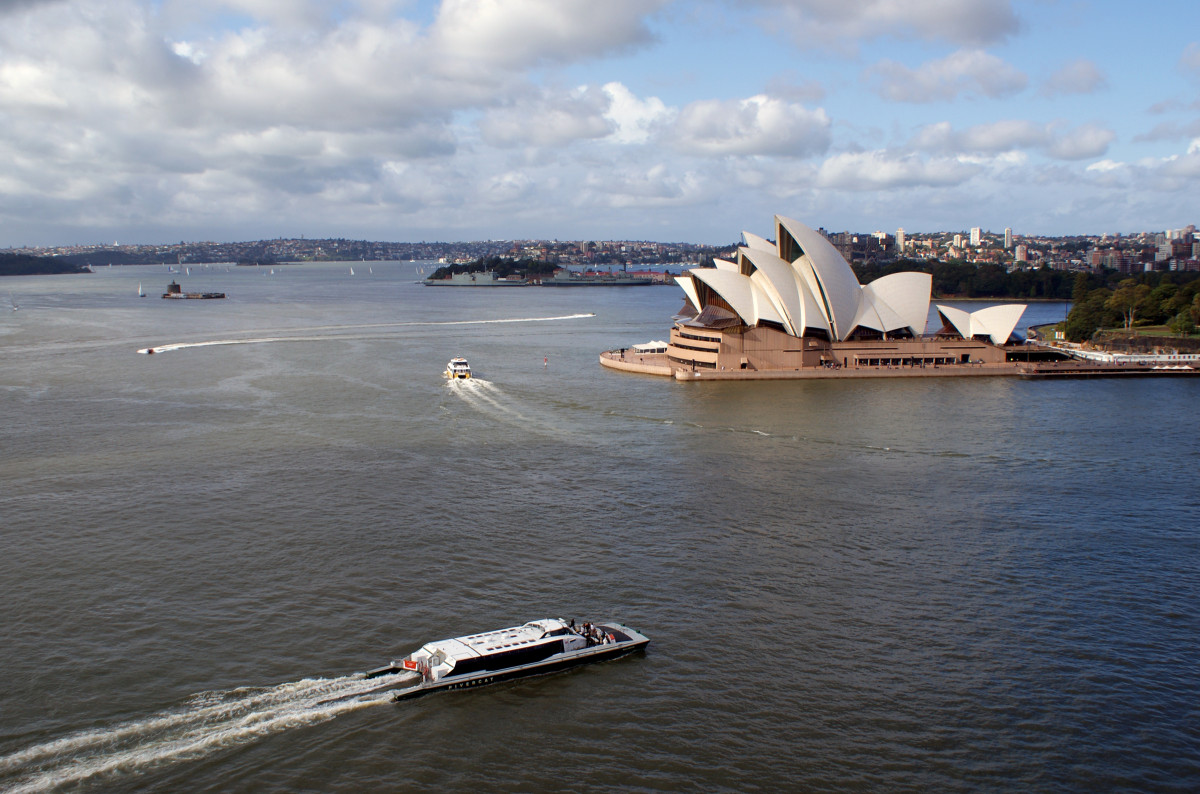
{"x": 140, "y": 293}
{"x": 13, "y": 301}
{"x": 352, "y": 271}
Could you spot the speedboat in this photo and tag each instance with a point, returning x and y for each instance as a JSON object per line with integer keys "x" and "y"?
{"x": 540, "y": 646}
{"x": 458, "y": 368}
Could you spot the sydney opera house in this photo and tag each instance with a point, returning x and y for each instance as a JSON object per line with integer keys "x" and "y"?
{"x": 795, "y": 306}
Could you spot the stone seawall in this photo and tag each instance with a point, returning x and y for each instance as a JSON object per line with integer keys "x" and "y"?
{"x": 657, "y": 364}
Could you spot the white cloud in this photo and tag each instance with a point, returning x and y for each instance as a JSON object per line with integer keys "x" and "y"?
{"x": 1105, "y": 166}
{"x": 787, "y": 86}
{"x": 514, "y": 33}
{"x": 658, "y": 185}
{"x": 969, "y": 72}
{"x": 29, "y": 85}
{"x": 883, "y": 170}
{"x": 16, "y": 5}
{"x": 635, "y": 119}
{"x": 1183, "y": 167}
{"x": 817, "y": 23}
{"x": 214, "y": 118}
{"x": 1150, "y": 175}
{"x": 188, "y": 50}
{"x": 506, "y": 187}
{"x": 1077, "y": 77}
{"x": 1170, "y": 130}
{"x": 287, "y": 13}
{"x": 1085, "y": 141}
{"x": 759, "y": 125}
{"x": 548, "y": 119}
{"x": 1081, "y": 143}
{"x": 999, "y": 136}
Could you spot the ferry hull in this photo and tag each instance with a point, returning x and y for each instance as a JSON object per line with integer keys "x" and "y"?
{"x": 554, "y": 665}
{"x": 627, "y": 641}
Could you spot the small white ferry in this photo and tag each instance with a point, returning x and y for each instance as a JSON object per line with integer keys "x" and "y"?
{"x": 458, "y": 368}
{"x": 540, "y": 646}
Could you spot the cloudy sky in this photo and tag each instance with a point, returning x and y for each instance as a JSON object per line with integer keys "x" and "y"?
{"x": 674, "y": 120}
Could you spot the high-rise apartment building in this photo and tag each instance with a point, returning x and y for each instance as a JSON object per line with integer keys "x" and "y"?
{"x": 900, "y": 239}
{"x": 1022, "y": 254}
{"x": 976, "y": 236}
{"x": 1007, "y": 238}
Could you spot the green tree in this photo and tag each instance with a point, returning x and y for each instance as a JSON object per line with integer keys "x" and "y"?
{"x": 1127, "y": 299}
{"x": 1182, "y": 324}
{"x": 1082, "y": 286}
{"x": 1089, "y": 314}
{"x": 1157, "y": 308}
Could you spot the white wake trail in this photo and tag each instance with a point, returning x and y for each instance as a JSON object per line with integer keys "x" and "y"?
{"x": 173, "y": 346}
{"x": 209, "y": 722}
{"x": 480, "y": 395}
{"x": 488, "y": 393}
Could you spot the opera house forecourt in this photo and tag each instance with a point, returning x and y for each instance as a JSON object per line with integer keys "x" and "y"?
{"x": 793, "y": 308}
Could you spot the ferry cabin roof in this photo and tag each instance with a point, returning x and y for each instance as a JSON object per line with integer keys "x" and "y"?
{"x": 493, "y": 643}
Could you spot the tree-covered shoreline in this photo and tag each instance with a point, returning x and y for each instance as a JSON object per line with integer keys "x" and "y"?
{"x": 27, "y": 265}
{"x": 502, "y": 266}
{"x": 955, "y": 279}
{"x": 1104, "y": 300}
{"x": 1115, "y": 300}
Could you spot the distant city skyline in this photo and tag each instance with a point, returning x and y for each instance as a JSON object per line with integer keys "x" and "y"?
{"x": 159, "y": 121}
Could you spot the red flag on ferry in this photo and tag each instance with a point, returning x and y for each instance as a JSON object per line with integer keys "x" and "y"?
{"x": 409, "y": 664}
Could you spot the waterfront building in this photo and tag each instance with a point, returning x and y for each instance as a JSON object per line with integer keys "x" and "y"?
{"x": 794, "y": 305}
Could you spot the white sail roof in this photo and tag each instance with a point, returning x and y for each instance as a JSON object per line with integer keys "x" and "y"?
{"x": 901, "y": 300}
{"x": 801, "y": 282}
{"x": 754, "y": 241}
{"x": 995, "y": 322}
{"x": 840, "y": 291}
{"x": 689, "y": 289}
{"x": 736, "y": 289}
{"x": 778, "y": 281}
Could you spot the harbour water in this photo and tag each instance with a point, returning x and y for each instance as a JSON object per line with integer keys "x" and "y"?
{"x": 938, "y": 585}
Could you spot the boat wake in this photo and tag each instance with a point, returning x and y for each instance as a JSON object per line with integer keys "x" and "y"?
{"x": 336, "y": 332}
{"x": 487, "y": 398}
{"x": 206, "y": 723}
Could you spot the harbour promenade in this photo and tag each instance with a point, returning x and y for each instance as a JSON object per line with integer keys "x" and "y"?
{"x": 657, "y": 364}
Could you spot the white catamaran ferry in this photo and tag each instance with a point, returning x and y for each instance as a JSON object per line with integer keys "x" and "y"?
{"x": 540, "y": 646}
{"x": 458, "y": 368}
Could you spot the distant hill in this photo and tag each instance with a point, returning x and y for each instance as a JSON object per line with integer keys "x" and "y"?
{"x": 26, "y": 265}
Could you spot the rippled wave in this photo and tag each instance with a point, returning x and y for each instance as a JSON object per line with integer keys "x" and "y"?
{"x": 207, "y": 723}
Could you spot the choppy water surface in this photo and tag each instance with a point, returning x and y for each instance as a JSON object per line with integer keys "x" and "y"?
{"x": 990, "y": 583}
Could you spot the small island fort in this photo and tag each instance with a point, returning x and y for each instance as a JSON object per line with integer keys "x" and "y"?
{"x": 175, "y": 292}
